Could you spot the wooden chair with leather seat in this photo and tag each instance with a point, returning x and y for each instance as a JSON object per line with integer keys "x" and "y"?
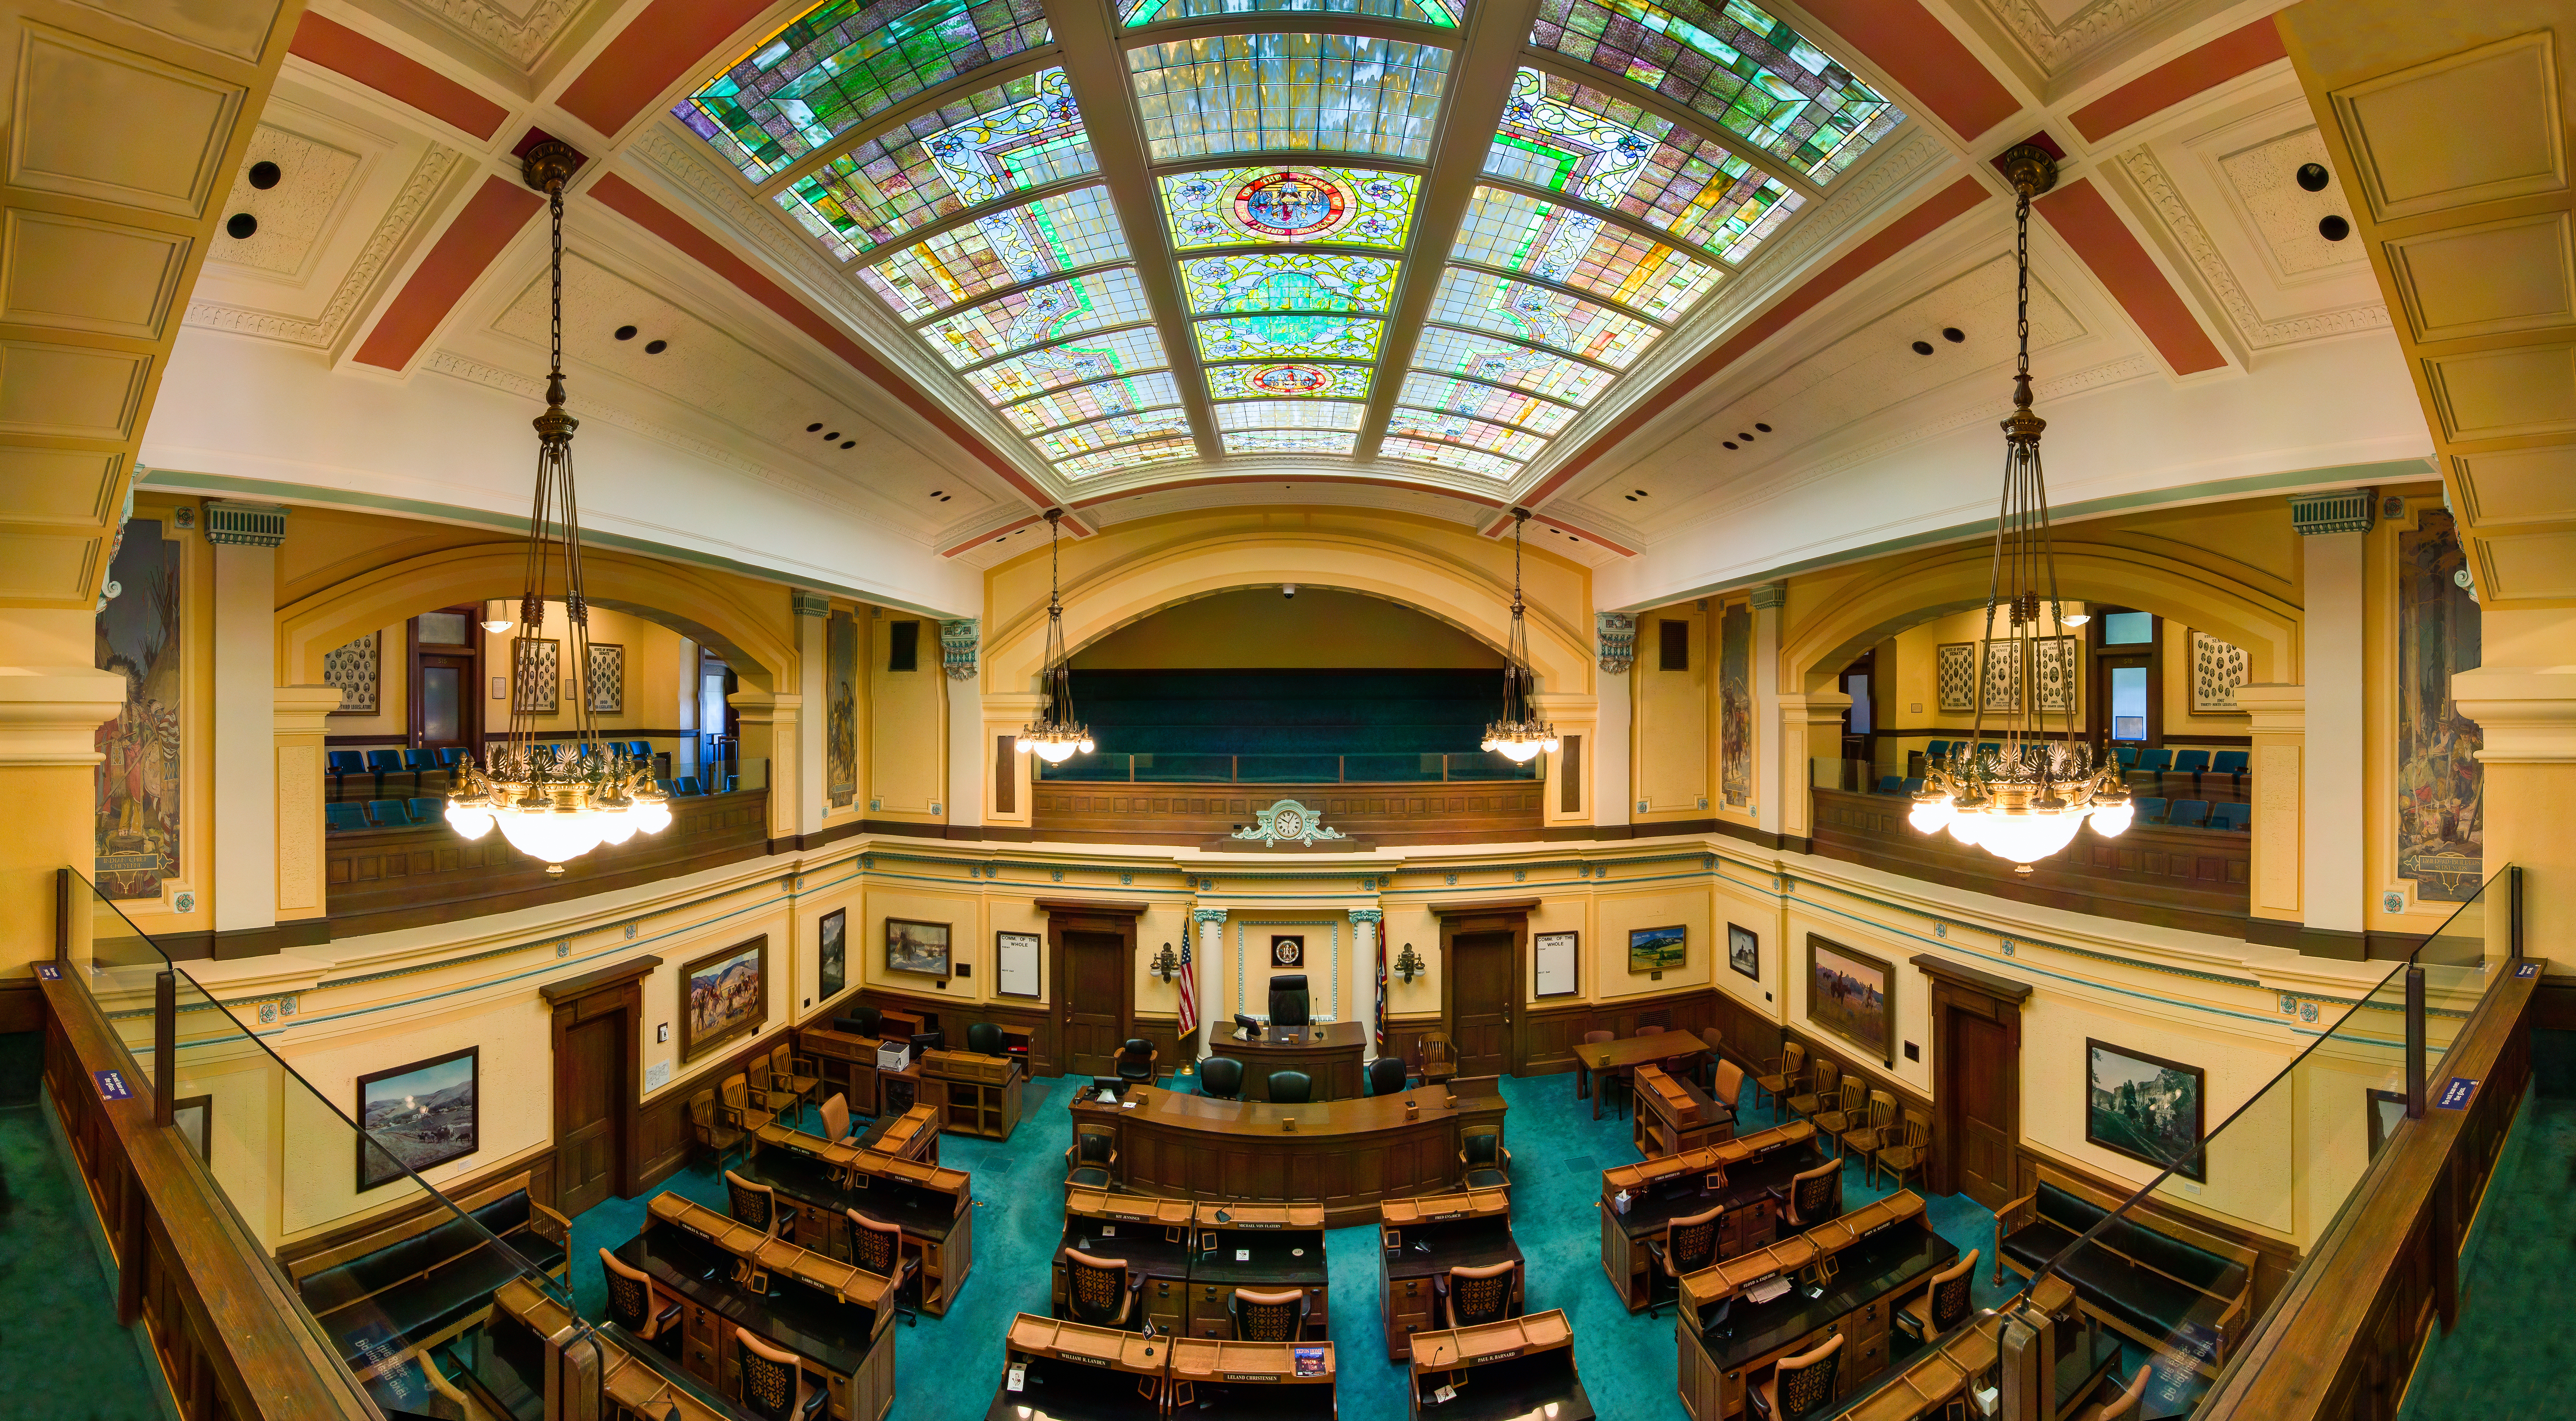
{"x": 1943, "y": 1304}
{"x": 1823, "y": 1092}
{"x": 2125, "y": 1405}
{"x": 1482, "y": 1160}
{"x": 1811, "y": 1197}
{"x": 1269, "y": 1317}
{"x": 757, "y": 1205}
{"x": 877, "y": 1247}
{"x": 1100, "y": 1292}
{"x": 735, "y": 1106}
{"x": 708, "y": 1128}
{"x": 836, "y": 1119}
{"x": 1849, "y": 1112}
{"x": 797, "y": 1080}
{"x": 1439, "y": 1058}
{"x": 1291, "y": 1088}
{"x": 1726, "y": 1086}
{"x": 1387, "y": 1075}
{"x": 1610, "y": 1084}
{"x": 1875, "y": 1129}
{"x": 1908, "y": 1150}
{"x": 1469, "y": 1296}
{"x": 1221, "y": 1078}
{"x": 1688, "y": 1244}
{"x": 1135, "y": 1061}
{"x": 1091, "y": 1157}
{"x": 775, "y": 1386}
{"x": 1715, "y": 1041}
{"x": 1799, "y": 1386}
{"x": 758, "y": 1092}
{"x": 630, "y": 1306}
{"x": 1781, "y": 1077}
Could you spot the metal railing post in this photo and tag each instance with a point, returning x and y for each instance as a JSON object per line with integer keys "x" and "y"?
{"x": 2414, "y": 1043}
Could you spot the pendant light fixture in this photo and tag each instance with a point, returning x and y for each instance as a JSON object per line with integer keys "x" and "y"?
{"x": 1519, "y": 735}
{"x": 2023, "y": 796}
{"x": 1055, "y": 736}
{"x": 553, "y": 803}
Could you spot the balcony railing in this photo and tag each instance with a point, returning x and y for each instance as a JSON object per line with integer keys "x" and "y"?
{"x": 1328, "y": 768}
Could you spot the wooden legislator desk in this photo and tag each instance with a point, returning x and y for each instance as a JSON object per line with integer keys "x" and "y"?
{"x": 1346, "y": 1155}
{"x": 1242, "y": 1381}
{"x": 1592, "y": 1057}
{"x": 1068, "y": 1371}
{"x": 1673, "y": 1115}
{"x": 1329, "y": 1052}
{"x": 1502, "y": 1371}
{"x": 934, "y": 1207}
{"x": 1736, "y": 1175}
{"x": 1420, "y": 1240}
{"x": 1191, "y": 1257}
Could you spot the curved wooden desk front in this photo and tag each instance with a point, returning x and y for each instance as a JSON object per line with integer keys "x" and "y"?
{"x": 1345, "y": 1155}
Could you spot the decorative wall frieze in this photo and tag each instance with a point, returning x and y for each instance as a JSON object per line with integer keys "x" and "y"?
{"x": 1617, "y": 632}
{"x": 958, "y": 645}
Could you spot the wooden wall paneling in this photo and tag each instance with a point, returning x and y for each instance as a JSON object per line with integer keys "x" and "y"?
{"x": 662, "y": 1125}
{"x": 1404, "y": 1036}
{"x": 2278, "y": 1260}
{"x": 1549, "y": 1035}
{"x": 1386, "y": 814}
{"x": 1867, "y": 1068}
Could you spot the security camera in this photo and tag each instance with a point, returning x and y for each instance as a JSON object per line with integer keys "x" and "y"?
{"x": 1288, "y": 589}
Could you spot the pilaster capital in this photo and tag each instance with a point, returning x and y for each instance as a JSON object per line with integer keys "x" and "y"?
{"x": 2347, "y": 510}
{"x": 1767, "y": 595}
{"x": 1207, "y": 915}
{"x": 1617, "y": 635}
{"x": 1368, "y": 915}
{"x": 2273, "y": 707}
{"x": 1813, "y": 707}
{"x": 2526, "y": 715}
{"x": 765, "y": 707}
{"x": 959, "y": 642}
{"x": 255, "y": 525}
{"x": 809, "y": 604}
{"x": 50, "y": 715}
{"x": 305, "y": 710}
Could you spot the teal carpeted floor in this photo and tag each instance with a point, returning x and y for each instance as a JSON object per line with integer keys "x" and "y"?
{"x": 948, "y": 1367}
{"x": 2506, "y": 1359}
{"x": 61, "y": 1353}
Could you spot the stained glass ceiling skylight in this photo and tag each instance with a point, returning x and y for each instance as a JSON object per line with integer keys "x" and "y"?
{"x": 1647, "y": 150}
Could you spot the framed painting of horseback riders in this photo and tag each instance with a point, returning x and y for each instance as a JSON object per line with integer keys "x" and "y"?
{"x": 1852, "y": 995}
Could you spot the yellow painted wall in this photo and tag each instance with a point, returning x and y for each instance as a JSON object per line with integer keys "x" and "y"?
{"x": 655, "y": 673}
{"x": 1675, "y": 744}
{"x": 907, "y": 722}
{"x": 1258, "y": 627}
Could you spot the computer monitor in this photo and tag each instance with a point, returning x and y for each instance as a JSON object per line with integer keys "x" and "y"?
{"x": 928, "y": 1041}
{"x": 1247, "y": 1025}
{"x": 1108, "y": 1087}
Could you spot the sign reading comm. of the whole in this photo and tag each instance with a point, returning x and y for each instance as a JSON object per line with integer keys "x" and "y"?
{"x": 2456, "y": 1094}
{"x": 112, "y": 1085}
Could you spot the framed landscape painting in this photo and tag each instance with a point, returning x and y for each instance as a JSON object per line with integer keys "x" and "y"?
{"x": 1658, "y": 949}
{"x": 723, "y": 996}
{"x": 1852, "y": 995}
{"x": 917, "y": 947}
{"x": 835, "y": 954}
{"x": 419, "y": 1115}
{"x": 2143, "y": 1106}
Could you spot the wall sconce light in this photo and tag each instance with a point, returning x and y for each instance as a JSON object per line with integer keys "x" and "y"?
{"x": 1409, "y": 964}
{"x": 1165, "y": 965}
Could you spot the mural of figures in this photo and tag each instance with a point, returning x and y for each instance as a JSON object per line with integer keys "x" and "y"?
{"x": 1735, "y": 704}
{"x": 2440, "y": 833}
{"x": 841, "y": 713}
{"x": 138, "y": 785}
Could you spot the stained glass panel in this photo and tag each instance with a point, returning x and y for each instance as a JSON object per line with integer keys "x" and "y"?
{"x": 1232, "y": 282}
{"x": 1076, "y": 362}
{"x": 1039, "y": 315}
{"x": 980, "y": 149}
{"x": 1732, "y": 63}
{"x": 1574, "y": 248}
{"x": 1317, "y": 337}
{"x": 1499, "y": 362}
{"x": 1458, "y": 429}
{"x": 1117, "y": 429}
{"x": 1288, "y": 441}
{"x": 1128, "y": 456}
{"x": 1108, "y": 397}
{"x": 1290, "y": 414}
{"x": 1318, "y": 206}
{"x": 1533, "y": 313}
{"x": 1565, "y": 137}
{"x": 1485, "y": 402}
{"x": 1288, "y": 93}
{"x": 1424, "y": 452}
{"x": 1053, "y": 234}
{"x": 1288, "y": 382}
{"x": 1444, "y": 13}
{"x": 844, "y": 61}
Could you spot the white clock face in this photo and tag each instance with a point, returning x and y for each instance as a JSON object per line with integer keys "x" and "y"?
{"x": 1288, "y": 824}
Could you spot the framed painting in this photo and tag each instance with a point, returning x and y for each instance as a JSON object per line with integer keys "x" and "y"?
{"x": 1658, "y": 949}
{"x": 607, "y": 684}
{"x": 833, "y": 954}
{"x": 1999, "y": 676}
{"x": 419, "y": 1115}
{"x": 357, "y": 669}
{"x": 536, "y": 676}
{"x": 2054, "y": 678}
{"x": 1853, "y": 995}
{"x": 1287, "y": 950}
{"x": 1954, "y": 673}
{"x": 917, "y": 947}
{"x": 1744, "y": 951}
{"x": 724, "y": 996}
{"x": 2143, "y": 1106}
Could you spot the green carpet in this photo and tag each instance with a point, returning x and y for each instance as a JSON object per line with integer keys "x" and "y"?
{"x": 61, "y": 1352}
{"x": 948, "y": 1367}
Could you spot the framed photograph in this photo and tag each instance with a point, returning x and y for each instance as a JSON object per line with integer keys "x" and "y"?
{"x": 2387, "y": 1107}
{"x": 1287, "y": 950}
{"x": 2053, "y": 674}
{"x": 1658, "y": 949}
{"x": 1556, "y": 958}
{"x": 724, "y": 996}
{"x": 536, "y": 675}
{"x": 195, "y": 1117}
{"x": 1999, "y": 679}
{"x": 607, "y": 685}
{"x": 2143, "y": 1106}
{"x": 834, "y": 954}
{"x": 1744, "y": 951}
{"x": 357, "y": 669}
{"x": 1852, "y": 995}
{"x": 1954, "y": 666}
{"x": 2217, "y": 669}
{"x": 917, "y": 947}
{"x": 1015, "y": 964}
{"x": 419, "y": 1115}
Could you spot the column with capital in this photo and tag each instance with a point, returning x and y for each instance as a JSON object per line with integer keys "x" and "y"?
{"x": 245, "y": 537}
{"x": 1211, "y": 929}
{"x": 1364, "y": 944}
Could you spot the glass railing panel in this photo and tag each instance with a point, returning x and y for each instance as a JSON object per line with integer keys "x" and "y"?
{"x": 1183, "y": 768}
{"x": 1489, "y": 765}
{"x": 1391, "y": 769}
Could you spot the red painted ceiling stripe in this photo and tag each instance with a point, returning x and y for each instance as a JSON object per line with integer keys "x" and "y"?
{"x": 2082, "y": 216}
{"x": 491, "y": 218}
{"x": 1902, "y": 38}
{"x": 671, "y": 227}
{"x": 2236, "y": 52}
{"x": 1925, "y": 218}
{"x": 390, "y": 72}
{"x": 669, "y": 39}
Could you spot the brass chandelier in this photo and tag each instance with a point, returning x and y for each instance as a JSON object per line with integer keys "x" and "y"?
{"x": 550, "y": 804}
{"x": 1519, "y": 735}
{"x": 2023, "y": 797}
{"x": 1055, "y": 736}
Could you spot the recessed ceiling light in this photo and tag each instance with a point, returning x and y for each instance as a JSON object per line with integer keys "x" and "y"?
{"x": 1763, "y": 427}
{"x": 828, "y": 438}
{"x": 1923, "y": 347}
{"x": 240, "y": 225}
{"x": 2332, "y": 227}
{"x": 626, "y": 333}
{"x": 1953, "y": 334}
{"x": 849, "y": 444}
{"x": 2313, "y": 176}
{"x": 656, "y": 347}
{"x": 1747, "y": 438}
{"x": 264, "y": 175}
{"x": 818, "y": 424}
{"x": 1729, "y": 443}
{"x": 1641, "y": 493}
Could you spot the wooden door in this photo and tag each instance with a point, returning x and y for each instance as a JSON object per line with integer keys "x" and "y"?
{"x": 1983, "y": 1072}
{"x": 1480, "y": 1003}
{"x": 445, "y": 712}
{"x": 590, "y": 1077}
{"x": 1093, "y": 980}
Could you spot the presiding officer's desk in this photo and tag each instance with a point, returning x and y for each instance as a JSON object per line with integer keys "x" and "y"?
{"x": 1345, "y": 1155}
{"x": 1327, "y": 1051}
{"x": 1266, "y": 1247}
{"x": 1421, "y": 1240}
{"x": 1677, "y": 1186}
{"x": 836, "y": 1317}
{"x": 1502, "y": 1371}
{"x": 1878, "y": 1253}
{"x": 933, "y": 1206}
{"x": 1070, "y": 1372}
{"x": 1253, "y": 1381}
{"x": 1151, "y": 1235}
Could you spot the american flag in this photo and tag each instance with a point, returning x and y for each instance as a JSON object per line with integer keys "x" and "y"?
{"x": 1189, "y": 994}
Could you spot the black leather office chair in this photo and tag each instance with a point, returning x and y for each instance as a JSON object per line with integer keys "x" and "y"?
{"x": 859, "y": 1021}
{"x": 1486, "y": 1164}
{"x": 1221, "y": 1077}
{"x": 1288, "y": 1000}
{"x": 1101, "y": 1292}
{"x": 1688, "y": 1244}
{"x": 1135, "y": 1060}
{"x": 1291, "y": 1087}
{"x": 775, "y": 1384}
{"x": 1387, "y": 1075}
{"x": 984, "y": 1039}
{"x": 877, "y": 1246}
{"x": 630, "y": 1306}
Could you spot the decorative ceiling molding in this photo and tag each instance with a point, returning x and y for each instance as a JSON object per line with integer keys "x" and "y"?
{"x": 520, "y": 39}
{"x": 322, "y": 331}
{"x": 2059, "y": 47}
{"x": 2140, "y": 165}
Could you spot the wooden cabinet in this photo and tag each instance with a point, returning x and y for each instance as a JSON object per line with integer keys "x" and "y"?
{"x": 977, "y": 1095}
{"x": 1410, "y": 1305}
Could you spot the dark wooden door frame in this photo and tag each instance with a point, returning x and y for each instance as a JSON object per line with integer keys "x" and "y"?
{"x": 1509, "y": 915}
{"x": 1080, "y": 915}
{"x": 615, "y": 988}
{"x": 2097, "y": 678}
{"x": 469, "y": 706}
{"x": 1955, "y": 989}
